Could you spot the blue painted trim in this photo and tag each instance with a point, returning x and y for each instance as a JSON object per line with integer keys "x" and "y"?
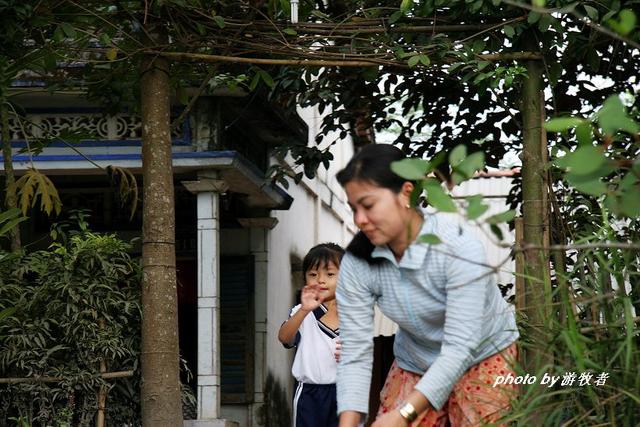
{"x": 27, "y": 83}
{"x": 243, "y": 162}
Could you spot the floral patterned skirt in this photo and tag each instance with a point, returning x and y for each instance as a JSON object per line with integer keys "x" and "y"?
{"x": 472, "y": 402}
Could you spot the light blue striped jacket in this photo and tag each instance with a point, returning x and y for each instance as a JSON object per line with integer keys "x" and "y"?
{"x": 449, "y": 311}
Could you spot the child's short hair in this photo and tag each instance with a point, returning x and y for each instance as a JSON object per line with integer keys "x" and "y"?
{"x": 322, "y": 254}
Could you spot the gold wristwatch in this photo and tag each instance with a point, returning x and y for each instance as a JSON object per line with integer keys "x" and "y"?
{"x": 408, "y": 412}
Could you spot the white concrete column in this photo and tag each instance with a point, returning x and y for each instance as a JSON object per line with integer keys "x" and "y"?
{"x": 208, "y": 190}
{"x": 208, "y": 371}
{"x": 258, "y": 232}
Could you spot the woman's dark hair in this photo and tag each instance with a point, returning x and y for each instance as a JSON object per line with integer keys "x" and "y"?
{"x": 320, "y": 255}
{"x": 372, "y": 164}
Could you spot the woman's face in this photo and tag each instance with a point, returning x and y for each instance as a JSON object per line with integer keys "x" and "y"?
{"x": 378, "y": 212}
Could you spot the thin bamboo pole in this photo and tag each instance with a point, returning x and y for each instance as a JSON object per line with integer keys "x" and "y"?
{"x": 47, "y": 379}
{"x": 102, "y": 399}
{"x": 102, "y": 392}
{"x": 335, "y": 62}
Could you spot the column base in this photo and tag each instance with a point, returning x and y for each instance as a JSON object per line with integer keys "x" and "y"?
{"x": 210, "y": 423}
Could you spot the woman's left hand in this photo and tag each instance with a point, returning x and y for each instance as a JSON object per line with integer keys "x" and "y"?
{"x": 391, "y": 419}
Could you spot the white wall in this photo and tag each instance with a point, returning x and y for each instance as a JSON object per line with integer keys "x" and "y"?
{"x": 495, "y": 191}
{"x": 318, "y": 214}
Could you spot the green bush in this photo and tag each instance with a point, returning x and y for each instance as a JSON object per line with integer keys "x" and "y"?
{"x": 68, "y": 309}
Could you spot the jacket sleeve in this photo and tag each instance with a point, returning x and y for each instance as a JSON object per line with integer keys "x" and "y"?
{"x": 355, "y": 310}
{"x": 466, "y": 286}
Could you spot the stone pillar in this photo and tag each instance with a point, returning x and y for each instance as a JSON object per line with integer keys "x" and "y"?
{"x": 208, "y": 190}
{"x": 258, "y": 232}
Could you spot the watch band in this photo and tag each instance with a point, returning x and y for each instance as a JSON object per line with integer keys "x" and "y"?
{"x": 408, "y": 412}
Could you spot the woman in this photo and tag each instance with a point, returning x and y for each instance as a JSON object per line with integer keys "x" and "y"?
{"x": 456, "y": 333}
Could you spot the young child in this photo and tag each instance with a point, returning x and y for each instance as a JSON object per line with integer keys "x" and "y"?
{"x": 312, "y": 327}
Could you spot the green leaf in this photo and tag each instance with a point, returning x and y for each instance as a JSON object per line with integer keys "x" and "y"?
{"x": 430, "y": 239}
{"x": 584, "y": 133}
{"x": 7, "y": 312}
{"x": 613, "y": 117}
{"x": 585, "y": 160}
{"x": 105, "y": 39}
{"x": 630, "y": 202}
{"x": 290, "y": 31}
{"x": 395, "y": 16}
{"x": 266, "y": 78}
{"x": 9, "y": 225}
{"x": 411, "y": 169}
{"x": 505, "y": 216}
{"x": 183, "y": 96}
{"x": 405, "y": 5}
{"x": 560, "y": 124}
{"x": 533, "y": 17}
{"x": 254, "y": 81}
{"x": 626, "y": 22}
{"x": 509, "y": 31}
{"x": 219, "y": 20}
{"x": 437, "y": 197}
{"x": 9, "y": 214}
{"x": 58, "y": 35}
{"x": 475, "y": 207}
{"x": 545, "y": 22}
{"x": 413, "y": 61}
{"x": 68, "y": 30}
{"x": 496, "y": 231}
{"x": 483, "y": 64}
{"x": 592, "y": 12}
{"x": 455, "y": 66}
{"x": 370, "y": 74}
{"x": 470, "y": 165}
{"x": 594, "y": 187}
{"x": 457, "y": 155}
{"x": 629, "y": 180}
{"x": 539, "y": 3}
{"x": 424, "y": 59}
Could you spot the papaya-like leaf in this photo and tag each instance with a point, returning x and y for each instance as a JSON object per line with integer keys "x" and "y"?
{"x": 34, "y": 184}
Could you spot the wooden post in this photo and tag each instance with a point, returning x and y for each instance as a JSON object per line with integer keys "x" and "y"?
{"x": 537, "y": 283}
{"x": 520, "y": 290}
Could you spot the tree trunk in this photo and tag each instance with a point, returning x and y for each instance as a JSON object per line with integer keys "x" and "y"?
{"x": 11, "y": 199}
{"x": 161, "y": 397}
{"x": 537, "y": 282}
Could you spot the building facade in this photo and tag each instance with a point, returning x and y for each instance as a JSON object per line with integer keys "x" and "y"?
{"x": 239, "y": 238}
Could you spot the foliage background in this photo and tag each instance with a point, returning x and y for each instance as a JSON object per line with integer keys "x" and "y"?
{"x": 61, "y": 296}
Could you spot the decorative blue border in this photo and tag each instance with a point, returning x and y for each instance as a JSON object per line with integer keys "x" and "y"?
{"x": 185, "y": 140}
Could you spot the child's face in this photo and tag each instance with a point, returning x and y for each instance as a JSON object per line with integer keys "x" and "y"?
{"x": 326, "y": 277}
